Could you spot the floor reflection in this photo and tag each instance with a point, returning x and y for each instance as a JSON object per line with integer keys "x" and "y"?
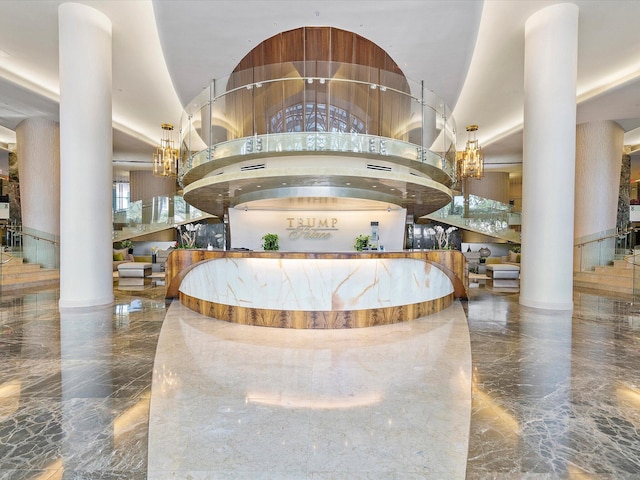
{"x": 554, "y": 395}
{"x": 236, "y": 401}
{"x": 75, "y": 387}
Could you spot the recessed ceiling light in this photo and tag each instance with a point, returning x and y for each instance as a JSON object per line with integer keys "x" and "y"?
{"x": 259, "y": 186}
{"x": 375, "y": 186}
{"x": 348, "y": 183}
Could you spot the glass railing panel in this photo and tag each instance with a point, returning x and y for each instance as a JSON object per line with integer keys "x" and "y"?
{"x": 596, "y": 253}
{"x": 35, "y": 246}
{"x": 602, "y": 248}
{"x": 634, "y": 259}
{"x": 198, "y": 102}
{"x": 483, "y": 215}
{"x": 430, "y": 129}
{"x": 297, "y": 97}
{"x": 158, "y": 213}
{"x": 317, "y": 141}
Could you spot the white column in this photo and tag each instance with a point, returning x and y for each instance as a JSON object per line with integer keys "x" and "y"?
{"x": 598, "y": 163}
{"x": 85, "y": 157}
{"x": 548, "y": 167}
{"x": 38, "y": 151}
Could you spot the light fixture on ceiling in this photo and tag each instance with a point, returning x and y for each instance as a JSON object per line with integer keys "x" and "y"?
{"x": 470, "y": 162}
{"x": 165, "y": 160}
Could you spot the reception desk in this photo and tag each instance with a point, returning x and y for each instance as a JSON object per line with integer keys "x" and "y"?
{"x": 315, "y": 290}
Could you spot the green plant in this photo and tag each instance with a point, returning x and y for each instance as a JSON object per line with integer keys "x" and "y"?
{"x": 128, "y": 244}
{"x": 187, "y": 238}
{"x": 515, "y": 249}
{"x": 362, "y": 242}
{"x": 270, "y": 241}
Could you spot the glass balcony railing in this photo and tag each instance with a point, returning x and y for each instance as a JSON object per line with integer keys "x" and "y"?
{"x": 335, "y": 142}
{"x": 316, "y": 106}
{"x": 482, "y": 215}
{"x": 156, "y": 214}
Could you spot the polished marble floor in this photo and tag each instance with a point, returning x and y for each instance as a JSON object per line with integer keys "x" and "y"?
{"x": 553, "y": 395}
{"x": 242, "y": 402}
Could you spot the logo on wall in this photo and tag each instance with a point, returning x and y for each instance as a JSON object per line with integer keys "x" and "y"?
{"x": 311, "y": 228}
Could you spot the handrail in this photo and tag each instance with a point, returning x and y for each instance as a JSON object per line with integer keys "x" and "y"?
{"x": 631, "y": 256}
{"x": 3, "y": 255}
{"x": 35, "y": 237}
{"x": 613, "y": 235}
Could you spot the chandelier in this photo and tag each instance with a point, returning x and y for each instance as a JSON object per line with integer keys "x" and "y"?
{"x": 165, "y": 160}
{"x": 470, "y": 162}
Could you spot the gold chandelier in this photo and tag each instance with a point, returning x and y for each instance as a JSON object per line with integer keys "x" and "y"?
{"x": 470, "y": 162}
{"x": 165, "y": 160}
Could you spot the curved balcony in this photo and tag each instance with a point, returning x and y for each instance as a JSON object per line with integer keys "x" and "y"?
{"x": 317, "y": 129}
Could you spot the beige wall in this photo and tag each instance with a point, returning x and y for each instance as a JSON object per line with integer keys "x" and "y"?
{"x": 144, "y": 186}
{"x": 494, "y": 185}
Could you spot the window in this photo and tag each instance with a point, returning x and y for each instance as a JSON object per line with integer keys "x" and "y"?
{"x": 120, "y": 196}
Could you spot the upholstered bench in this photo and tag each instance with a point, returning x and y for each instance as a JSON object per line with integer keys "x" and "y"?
{"x": 503, "y": 275}
{"x": 134, "y": 270}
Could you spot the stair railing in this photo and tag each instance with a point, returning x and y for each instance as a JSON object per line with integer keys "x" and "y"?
{"x": 153, "y": 215}
{"x": 634, "y": 260}
{"x": 34, "y": 246}
{"x": 482, "y": 215}
{"x": 602, "y": 248}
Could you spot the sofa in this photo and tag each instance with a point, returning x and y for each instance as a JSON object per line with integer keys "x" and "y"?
{"x": 121, "y": 256}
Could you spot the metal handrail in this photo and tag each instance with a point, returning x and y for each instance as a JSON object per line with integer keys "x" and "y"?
{"x": 35, "y": 237}
{"x": 613, "y": 235}
{"x": 631, "y": 258}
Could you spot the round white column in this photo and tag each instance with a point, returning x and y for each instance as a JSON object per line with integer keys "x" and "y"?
{"x": 38, "y": 151}
{"x": 599, "y": 148}
{"x": 548, "y": 166}
{"x": 86, "y": 277}
{"x": 598, "y": 162}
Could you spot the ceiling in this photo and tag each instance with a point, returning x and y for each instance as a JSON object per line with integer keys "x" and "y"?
{"x": 469, "y": 52}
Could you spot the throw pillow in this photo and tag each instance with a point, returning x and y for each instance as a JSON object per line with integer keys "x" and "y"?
{"x": 122, "y": 251}
{"x": 118, "y": 257}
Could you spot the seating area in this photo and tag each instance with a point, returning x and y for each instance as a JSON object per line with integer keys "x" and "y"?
{"x": 134, "y": 274}
{"x": 121, "y": 256}
{"x": 503, "y": 276}
{"x": 499, "y": 273}
{"x": 138, "y": 272}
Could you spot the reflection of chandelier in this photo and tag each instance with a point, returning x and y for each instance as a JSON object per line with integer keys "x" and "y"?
{"x": 165, "y": 160}
{"x": 470, "y": 162}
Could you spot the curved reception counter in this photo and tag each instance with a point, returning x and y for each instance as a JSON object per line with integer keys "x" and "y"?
{"x": 315, "y": 290}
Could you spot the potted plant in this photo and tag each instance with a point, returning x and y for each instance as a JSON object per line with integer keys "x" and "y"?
{"x": 514, "y": 254}
{"x": 362, "y": 242}
{"x": 270, "y": 241}
{"x": 128, "y": 244}
{"x": 187, "y": 238}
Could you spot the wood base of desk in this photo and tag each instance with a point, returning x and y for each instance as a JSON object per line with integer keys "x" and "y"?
{"x": 316, "y": 319}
